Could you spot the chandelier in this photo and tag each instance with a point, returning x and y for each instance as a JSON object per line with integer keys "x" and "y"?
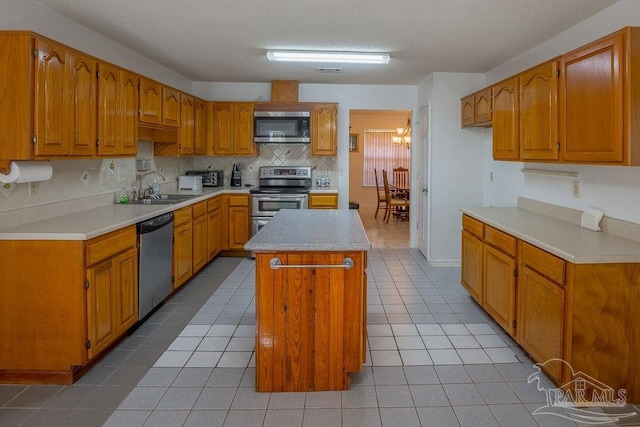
{"x": 403, "y": 135}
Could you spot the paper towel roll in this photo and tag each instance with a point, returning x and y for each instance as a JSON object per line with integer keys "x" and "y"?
{"x": 591, "y": 219}
{"x": 28, "y": 171}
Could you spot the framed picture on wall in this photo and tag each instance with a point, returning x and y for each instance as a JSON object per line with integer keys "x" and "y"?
{"x": 353, "y": 142}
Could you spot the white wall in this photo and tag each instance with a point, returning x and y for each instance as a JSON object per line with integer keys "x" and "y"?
{"x": 34, "y": 16}
{"x": 455, "y": 162}
{"x": 616, "y": 190}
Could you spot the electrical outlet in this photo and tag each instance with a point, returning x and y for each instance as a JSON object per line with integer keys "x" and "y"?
{"x": 33, "y": 188}
{"x": 576, "y": 189}
{"x": 122, "y": 174}
{"x": 491, "y": 176}
{"x": 103, "y": 178}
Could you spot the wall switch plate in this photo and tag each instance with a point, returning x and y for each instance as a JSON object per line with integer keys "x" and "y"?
{"x": 576, "y": 189}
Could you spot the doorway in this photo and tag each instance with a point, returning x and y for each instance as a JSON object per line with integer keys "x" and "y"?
{"x": 395, "y": 233}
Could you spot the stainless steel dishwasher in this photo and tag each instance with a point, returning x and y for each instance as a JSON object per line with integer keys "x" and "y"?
{"x": 155, "y": 257}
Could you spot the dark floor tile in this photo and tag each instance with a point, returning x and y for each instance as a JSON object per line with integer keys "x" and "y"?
{"x": 14, "y": 417}
{"x": 84, "y": 417}
{"x": 70, "y": 397}
{"x": 34, "y": 396}
{"x": 49, "y": 417}
{"x": 107, "y": 397}
{"x": 9, "y": 392}
{"x": 127, "y": 375}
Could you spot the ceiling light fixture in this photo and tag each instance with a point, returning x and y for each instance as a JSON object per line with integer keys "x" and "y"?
{"x": 328, "y": 57}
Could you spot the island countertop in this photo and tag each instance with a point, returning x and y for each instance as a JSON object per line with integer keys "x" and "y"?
{"x": 311, "y": 230}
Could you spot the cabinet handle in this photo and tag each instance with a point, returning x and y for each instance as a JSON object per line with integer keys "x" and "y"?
{"x": 347, "y": 264}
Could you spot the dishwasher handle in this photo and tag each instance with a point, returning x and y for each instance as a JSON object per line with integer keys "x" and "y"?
{"x": 154, "y": 224}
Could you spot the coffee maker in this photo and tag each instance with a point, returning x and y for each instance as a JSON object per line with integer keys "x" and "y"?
{"x": 236, "y": 175}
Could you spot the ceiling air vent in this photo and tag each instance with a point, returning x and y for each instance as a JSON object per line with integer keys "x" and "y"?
{"x": 330, "y": 70}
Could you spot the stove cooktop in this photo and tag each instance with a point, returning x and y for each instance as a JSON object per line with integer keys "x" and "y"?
{"x": 280, "y": 190}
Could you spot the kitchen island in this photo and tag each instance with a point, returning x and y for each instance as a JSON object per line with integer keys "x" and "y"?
{"x": 311, "y": 293}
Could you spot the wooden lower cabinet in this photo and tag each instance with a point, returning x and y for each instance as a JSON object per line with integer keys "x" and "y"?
{"x": 310, "y": 322}
{"x": 214, "y": 226}
{"x": 238, "y": 221}
{"x": 541, "y": 320}
{"x": 182, "y": 246}
{"x": 570, "y": 318}
{"x": 200, "y": 236}
{"x": 323, "y": 201}
{"x": 112, "y": 299}
{"x": 499, "y": 287}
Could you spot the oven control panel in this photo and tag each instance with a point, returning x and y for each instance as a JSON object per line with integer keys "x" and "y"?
{"x": 285, "y": 172}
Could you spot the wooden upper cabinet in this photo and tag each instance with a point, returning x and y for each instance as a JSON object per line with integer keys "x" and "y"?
{"x": 200, "y": 128}
{"x": 232, "y": 128}
{"x": 243, "y": 129}
{"x": 324, "y": 139}
{"x": 539, "y": 112}
{"x": 170, "y": 107}
{"x": 187, "y": 115}
{"x": 129, "y": 109}
{"x": 82, "y": 129}
{"x": 467, "y": 111}
{"x": 150, "y": 102}
{"x": 117, "y": 108}
{"x": 52, "y": 98}
{"x": 505, "y": 119}
{"x": 482, "y": 102}
{"x": 592, "y": 101}
{"x": 222, "y": 129}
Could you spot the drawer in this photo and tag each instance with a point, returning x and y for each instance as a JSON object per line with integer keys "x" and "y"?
{"x": 543, "y": 262}
{"x": 199, "y": 209}
{"x": 238, "y": 201}
{"x": 323, "y": 201}
{"x": 501, "y": 240}
{"x": 473, "y": 226}
{"x": 214, "y": 203}
{"x": 181, "y": 216}
{"x": 106, "y": 246}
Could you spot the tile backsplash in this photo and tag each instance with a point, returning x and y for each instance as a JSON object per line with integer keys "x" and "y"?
{"x": 82, "y": 178}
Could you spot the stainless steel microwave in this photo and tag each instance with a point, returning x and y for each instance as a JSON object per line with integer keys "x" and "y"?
{"x": 281, "y": 127}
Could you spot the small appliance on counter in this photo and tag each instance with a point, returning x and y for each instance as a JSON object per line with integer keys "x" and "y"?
{"x": 210, "y": 178}
{"x": 189, "y": 182}
{"x": 236, "y": 175}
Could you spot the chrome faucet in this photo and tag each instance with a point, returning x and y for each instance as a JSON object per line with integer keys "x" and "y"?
{"x": 144, "y": 175}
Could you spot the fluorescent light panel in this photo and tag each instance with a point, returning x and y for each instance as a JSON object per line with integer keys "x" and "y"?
{"x": 328, "y": 57}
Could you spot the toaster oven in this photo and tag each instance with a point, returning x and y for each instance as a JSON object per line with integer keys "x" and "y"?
{"x": 210, "y": 178}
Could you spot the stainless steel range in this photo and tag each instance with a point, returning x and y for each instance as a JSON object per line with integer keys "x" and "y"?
{"x": 280, "y": 187}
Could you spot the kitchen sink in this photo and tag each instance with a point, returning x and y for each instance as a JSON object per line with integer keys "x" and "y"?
{"x": 165, "y": 199}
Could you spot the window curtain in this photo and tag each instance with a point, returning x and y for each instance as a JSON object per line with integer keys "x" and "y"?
{"x": 382, "y": 154}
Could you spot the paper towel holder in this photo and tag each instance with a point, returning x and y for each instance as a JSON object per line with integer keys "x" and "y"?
{"x": 21, "y": 171}
{"x": 5, "y": 166}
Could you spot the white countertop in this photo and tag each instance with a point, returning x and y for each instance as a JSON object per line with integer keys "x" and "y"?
{"x": 561, "y": 238}
{"x": 320, "y": 190}
{"x": 87, "y": 224}
{"x": 311, "y": 230}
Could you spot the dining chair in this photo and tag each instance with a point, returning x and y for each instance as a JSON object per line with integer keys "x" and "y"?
{"x": 392, "y": 203}
{"x": 401, "y": 178}
{"x": 382, "y": 199}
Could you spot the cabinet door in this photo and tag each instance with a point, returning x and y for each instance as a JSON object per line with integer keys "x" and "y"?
{"x": 238, "y": 227}
{"x": 472, "y": 266}
{"x": 129, "y": 113}
{"x": 467, "y": 111}
{"x": 101, "y": 306}
{"x": 500, "y": 287}
{"x": 83, "y": 112}
{"x": 483, "y": 106}
{"x": 182, "y": 254}
{"x": 222, "y": 128}
{"x": 200, "y": 240}
{"x": 150, "y": 101}
{"x": 506, "y": 136}
{"x": 323, "y": 201}
{"x": 541, "y": 319}
{"x": 243, "y": 144}
{"x": 214, "y": 231}
{"x": 200, "y": 128}
{"x": 592, "y": 102}
{"x": 127, "y": 290}
{"x": 110, "y": 119}
{"x": 187, "y": 122}
{"x": 539, "y": 112}
{"x": 324, "y": 130}
{"x": 170, "y": 107}
{"x": 52, "y": 99}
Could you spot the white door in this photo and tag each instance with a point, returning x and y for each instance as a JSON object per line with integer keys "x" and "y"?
{"x": 423, "y": 180}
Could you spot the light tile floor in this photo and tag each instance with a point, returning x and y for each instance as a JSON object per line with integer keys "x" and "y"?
{"x": 434, "y": 359}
